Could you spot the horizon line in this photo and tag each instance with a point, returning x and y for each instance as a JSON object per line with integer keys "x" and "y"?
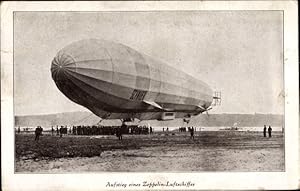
{"x": 253, "y": 113}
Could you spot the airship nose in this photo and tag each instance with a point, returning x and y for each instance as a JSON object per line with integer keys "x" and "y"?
{"x": 61, "y": 65}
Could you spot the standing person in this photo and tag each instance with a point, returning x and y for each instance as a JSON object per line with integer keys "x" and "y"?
{"x": 37, "y": 133}
{"x": 41, "y": 130}
{"x": 265, "y": 131}
{"x": 57, "y": 132}
{"x": 61, "y": 131}
{"x": 121, "y": 134}
{"x": 118, "y": 133}
{"x": 19, "y": 130}
{"x": 52, "y": 130}
{"x": 192, "y": 133}
{"x": 270, "y": 131}
{"x": 122, "y": 130}
{"x": 163, "y": 129}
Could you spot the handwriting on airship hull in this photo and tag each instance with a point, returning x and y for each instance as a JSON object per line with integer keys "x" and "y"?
{"x": 115, "y": 81}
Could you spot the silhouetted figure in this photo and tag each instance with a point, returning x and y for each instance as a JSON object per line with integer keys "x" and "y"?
{"x": 122, "y": 130}
{"x": 167, "y": 128}
{"x": 151, "y": 130}
{"x": 265, "y": 131}
{"x": 192, "y": 133}
{"x": 57, "y": 131}
{"x": 38, "y": 132}
{"x": 61, "y": 129}
{"x": 52, "y": 130}
{"x": 163, "y": 129}
{"x": 119, "y": 132}
{"x": 270, "y": 131}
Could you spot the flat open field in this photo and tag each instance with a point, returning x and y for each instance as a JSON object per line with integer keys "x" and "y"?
{"x": 159, "y": 152}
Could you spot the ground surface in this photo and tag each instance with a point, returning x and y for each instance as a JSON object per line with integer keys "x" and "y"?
{"x": 160, "y": 152}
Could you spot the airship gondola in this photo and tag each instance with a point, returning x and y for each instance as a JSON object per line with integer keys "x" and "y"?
{"x": 115, "y": 81}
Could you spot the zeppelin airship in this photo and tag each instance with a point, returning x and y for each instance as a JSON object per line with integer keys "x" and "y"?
{"x": 115, "y": 81}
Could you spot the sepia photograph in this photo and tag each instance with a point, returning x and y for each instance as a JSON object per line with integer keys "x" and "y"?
{"x": 149, "y": 96}
{"x": 170, "y": 91}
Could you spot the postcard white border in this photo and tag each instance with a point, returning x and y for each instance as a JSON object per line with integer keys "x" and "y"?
{"x": 203, "y": 180}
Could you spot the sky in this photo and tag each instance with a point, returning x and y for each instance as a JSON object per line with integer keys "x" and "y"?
{"x": 239, "y": 53}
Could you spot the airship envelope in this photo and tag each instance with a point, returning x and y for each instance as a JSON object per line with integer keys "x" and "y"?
{"x": 115, "y": 81}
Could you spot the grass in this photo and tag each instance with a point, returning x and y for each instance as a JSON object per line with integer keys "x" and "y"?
{"x": 59, "y": 147}
{"x": 50, "y": 147}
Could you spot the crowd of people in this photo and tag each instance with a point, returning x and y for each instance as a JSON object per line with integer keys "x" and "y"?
{"x": 38, "y": 133}
{"x": 116, "y": 130}
{"x": 269, "y": 131}
{"x": 182, "y": 129}
{"x": 102, "y": 130}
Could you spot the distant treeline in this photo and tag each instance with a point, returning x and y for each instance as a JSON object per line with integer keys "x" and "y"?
{"x": 213, "y": 120}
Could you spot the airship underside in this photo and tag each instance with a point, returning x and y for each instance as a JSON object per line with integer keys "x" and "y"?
{"x": 116, "y": 82}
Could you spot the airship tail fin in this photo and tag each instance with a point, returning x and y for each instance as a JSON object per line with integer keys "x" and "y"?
{"x": 205, "y": 109}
